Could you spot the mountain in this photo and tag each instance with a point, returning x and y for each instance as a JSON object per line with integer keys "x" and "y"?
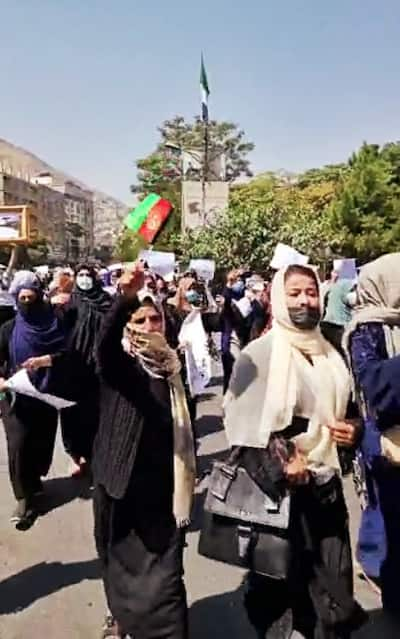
{"x": 23, "y": 164}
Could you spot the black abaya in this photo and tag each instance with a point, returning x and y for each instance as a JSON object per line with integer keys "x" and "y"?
{"x": 30, "y": 427}
{"x": 138, "y": 543}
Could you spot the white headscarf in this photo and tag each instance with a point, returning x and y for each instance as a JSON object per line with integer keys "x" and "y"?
{"x": 289, "y": 372}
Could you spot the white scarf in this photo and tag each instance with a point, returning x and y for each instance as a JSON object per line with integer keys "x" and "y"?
{"x": 279, "y": 382}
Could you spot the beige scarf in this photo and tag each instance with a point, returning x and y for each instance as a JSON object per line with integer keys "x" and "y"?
{"x": 378, "y": 293}
{"x": 160, "y": 361}
{"x": 274, "y": 381}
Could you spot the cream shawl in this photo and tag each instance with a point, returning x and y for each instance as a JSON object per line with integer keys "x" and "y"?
{"x": 161, "y": 361}
{"x": 378, "y": 294}
{"x": 273, "y": 381}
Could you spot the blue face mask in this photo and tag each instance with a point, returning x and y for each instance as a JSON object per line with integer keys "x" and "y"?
{"x": 238, "y": 287}
{"x": 193, "y": 298}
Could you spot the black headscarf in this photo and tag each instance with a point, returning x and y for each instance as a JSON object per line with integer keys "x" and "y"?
{"x": 90, "y": 307}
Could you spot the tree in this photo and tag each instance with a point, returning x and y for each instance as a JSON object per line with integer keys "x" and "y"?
{"x": 128, "y": 246}
{"x": 367, "y": 204}
{"x": 161, "y": 171}
{"x": 261, "y": 214}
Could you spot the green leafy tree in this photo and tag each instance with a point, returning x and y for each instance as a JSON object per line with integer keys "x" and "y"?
{"x": 128, "y": 246}
{"x": 261, "y": 214}
{"x": 367, "y": 204}
{"x": 161, "y": 171}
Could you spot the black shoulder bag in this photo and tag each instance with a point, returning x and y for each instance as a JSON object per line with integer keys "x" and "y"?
{"x": 242, "y": 526}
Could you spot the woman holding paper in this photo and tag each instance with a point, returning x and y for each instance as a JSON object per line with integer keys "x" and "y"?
{"x": 143, "y": 468}
{"x": 32, "y": 340}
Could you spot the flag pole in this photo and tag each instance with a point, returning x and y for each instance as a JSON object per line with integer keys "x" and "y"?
{"x": 204, "y": 174}
{"x": 205, "y": 91}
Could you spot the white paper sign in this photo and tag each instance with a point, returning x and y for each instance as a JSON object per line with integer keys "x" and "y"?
{"x": 160, "y": 262}
{"x": 205, "y": 269}
{"x": 286, "y": 256}
{"x": 346, "y": 268}
{"x": 20, "y": 383}
{"x": 193, "y": 338}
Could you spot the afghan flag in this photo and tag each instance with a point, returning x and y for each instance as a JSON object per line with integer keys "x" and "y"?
{"x": 204, "y": 91}
{"x": 149, "y": 216}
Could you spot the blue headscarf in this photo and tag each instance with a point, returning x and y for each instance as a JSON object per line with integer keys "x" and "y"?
{"x": 37, "y": 331}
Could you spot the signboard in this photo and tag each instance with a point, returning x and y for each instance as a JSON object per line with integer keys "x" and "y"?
{"x": 205, "y": 269}
{"x": 215, "y": 200}
{"x": 17, "y": 225}
{"x": 160, "y": 262}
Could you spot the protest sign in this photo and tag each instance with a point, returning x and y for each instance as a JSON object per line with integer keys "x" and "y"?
{"x": 205, "y": 269}
{"x": 160, "y": 262}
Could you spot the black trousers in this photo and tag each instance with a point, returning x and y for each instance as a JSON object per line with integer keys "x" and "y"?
{"x": 79, "y": 426}
{"x": 30, "y": 427}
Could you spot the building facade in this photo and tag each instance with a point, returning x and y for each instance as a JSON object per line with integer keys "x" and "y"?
{"x": 78, "y": 215}
{"x": 109, "y": 214}
{"x": 47, "y": 206}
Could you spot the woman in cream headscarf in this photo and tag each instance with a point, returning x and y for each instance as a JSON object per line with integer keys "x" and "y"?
{"x": 373, "y": 344}
{"x": 286, "y": 407}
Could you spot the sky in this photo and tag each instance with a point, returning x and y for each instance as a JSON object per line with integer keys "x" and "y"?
{"x": 85, "y": 83}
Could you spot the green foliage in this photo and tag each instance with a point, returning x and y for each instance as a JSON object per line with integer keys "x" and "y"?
{"x": 128, "y": 246}
{"x": 348, "y": 210}
{"x": 261, "y": 214}
{"x": 367, "y": 204}
{"x": 161, "y": 171}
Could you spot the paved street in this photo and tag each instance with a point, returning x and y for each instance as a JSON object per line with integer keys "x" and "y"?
{"x": 49, "y": 579}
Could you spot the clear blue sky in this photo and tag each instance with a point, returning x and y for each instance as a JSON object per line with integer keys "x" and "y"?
{"x": 84, "y": 83}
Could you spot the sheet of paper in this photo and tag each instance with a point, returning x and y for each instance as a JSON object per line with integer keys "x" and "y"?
{"x": 205, "y": 269}
{"x": 346, "y": 268}
{"x": 285, "y": 255}
{"x": 20, "y": 383}
{"x": 160, "y": 262}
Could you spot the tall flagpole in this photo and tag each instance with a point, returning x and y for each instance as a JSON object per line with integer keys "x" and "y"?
{"x": 205, "y": 91}
{"x": 205, "y": 174}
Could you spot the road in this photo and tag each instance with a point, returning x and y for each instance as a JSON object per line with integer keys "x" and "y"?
{"x": 49, "y": 578}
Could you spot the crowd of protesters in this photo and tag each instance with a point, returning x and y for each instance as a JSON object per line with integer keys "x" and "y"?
{"x": 311, "y": 383}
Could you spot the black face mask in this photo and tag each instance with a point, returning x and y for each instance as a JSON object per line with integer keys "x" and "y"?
{"x": 305, "y": 318}
{"x": 29, "y": 309}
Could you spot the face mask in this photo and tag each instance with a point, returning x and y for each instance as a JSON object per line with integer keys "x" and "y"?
{"x": 193, "y": 298}
{"x": 306, "y": 318}
{"x": 28, "y": 309}
{"x": 84, "y": 282}
{"x": 238, "y": 287}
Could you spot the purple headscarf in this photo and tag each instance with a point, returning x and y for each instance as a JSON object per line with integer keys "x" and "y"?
{"x": 37, "y": 332}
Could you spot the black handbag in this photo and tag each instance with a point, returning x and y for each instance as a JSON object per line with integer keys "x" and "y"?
{"x": 243, "y": 526}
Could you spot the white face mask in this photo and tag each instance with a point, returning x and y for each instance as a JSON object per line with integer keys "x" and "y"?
{"x": 84, "y": 282}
